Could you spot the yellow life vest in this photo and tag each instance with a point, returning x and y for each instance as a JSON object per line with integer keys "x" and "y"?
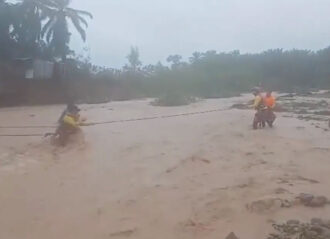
{"x": 71, "y": 121}
{"x": 258, "y": 102}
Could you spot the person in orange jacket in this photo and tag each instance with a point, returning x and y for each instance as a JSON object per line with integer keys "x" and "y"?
{"x": 270, "y": 102}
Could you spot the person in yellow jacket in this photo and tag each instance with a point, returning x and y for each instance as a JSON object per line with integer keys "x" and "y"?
{"x": 259, "y": 106}
{"x": 69, "y": 124}
{"x": 71, "y": 121}
{"x": 258, "y": 100}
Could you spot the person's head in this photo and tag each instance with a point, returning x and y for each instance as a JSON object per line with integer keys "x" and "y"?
{"x": 69, "y": 105}
{"x": 255, "y": 91}
{"x": 73, "y": 110}
{"x": 269, "y": 93}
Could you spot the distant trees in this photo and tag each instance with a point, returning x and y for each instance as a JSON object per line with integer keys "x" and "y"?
{"x": 196, "y": 56}
{"x": 134, "y": 60}
{"x": 221, "y": 74}
{"x": 174, "y": 59}
{"x": 213, "y": 74}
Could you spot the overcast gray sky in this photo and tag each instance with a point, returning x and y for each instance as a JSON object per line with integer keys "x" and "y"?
{"x": 163, "y": 27}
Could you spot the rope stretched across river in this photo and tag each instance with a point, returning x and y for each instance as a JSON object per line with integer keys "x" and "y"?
{"x": 22, "y": 135}
{"x": 157, "y": 117}
{"x": 102, "y": 122}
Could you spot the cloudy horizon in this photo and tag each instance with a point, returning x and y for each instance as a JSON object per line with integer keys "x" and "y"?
{"x": 160, "y": 28}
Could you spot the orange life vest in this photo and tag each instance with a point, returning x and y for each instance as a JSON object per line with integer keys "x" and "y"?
{"x": 269, "y": 101}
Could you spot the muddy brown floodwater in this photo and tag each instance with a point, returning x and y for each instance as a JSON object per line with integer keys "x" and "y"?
{"x": 198, "y": 176}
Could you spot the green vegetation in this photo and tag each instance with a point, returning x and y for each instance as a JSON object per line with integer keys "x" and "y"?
{"x": 38, "y": 29}
{"x": 212, "y": 74}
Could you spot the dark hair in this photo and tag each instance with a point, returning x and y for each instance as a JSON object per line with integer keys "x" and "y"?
{"x": 73, "y": 108}
{"x": 256, "y": 90}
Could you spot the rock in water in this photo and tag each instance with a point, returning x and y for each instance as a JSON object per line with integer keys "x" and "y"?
{"x": 326, "y": 224}
{"x": 316, "y": 221}
{"x": 232, "y": 236}
{"x": 317, "y": 229}
{"x": 318, "y": 202}
{"x": 265, "y": 205}
{"x": 323, "y": 103}
{"x": 310, "y": 235}
{"x": 293, "y": 222}
{"x": 310, "y": 200}
{"x": 305, "y": 198}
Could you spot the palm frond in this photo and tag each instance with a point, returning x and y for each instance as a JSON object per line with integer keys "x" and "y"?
{"x": 83, "y": 20}
{"x": 51, "y": 3}
{"x": 81, "y": 12}
{"x": 77, "y": 25}
{"x": 47, "y": 27}
{"x": 49, "y": 35}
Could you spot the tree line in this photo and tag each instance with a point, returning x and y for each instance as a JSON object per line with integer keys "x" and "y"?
{"x": 220, "y": 74}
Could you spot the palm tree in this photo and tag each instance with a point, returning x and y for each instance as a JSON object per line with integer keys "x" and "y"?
{"x": 134, "y": 59}
{"x": 56, "y": 29}
{"x": 5, "y": 22}
{"x": 4, "y": 19}
{"x": 29, "y": 15}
